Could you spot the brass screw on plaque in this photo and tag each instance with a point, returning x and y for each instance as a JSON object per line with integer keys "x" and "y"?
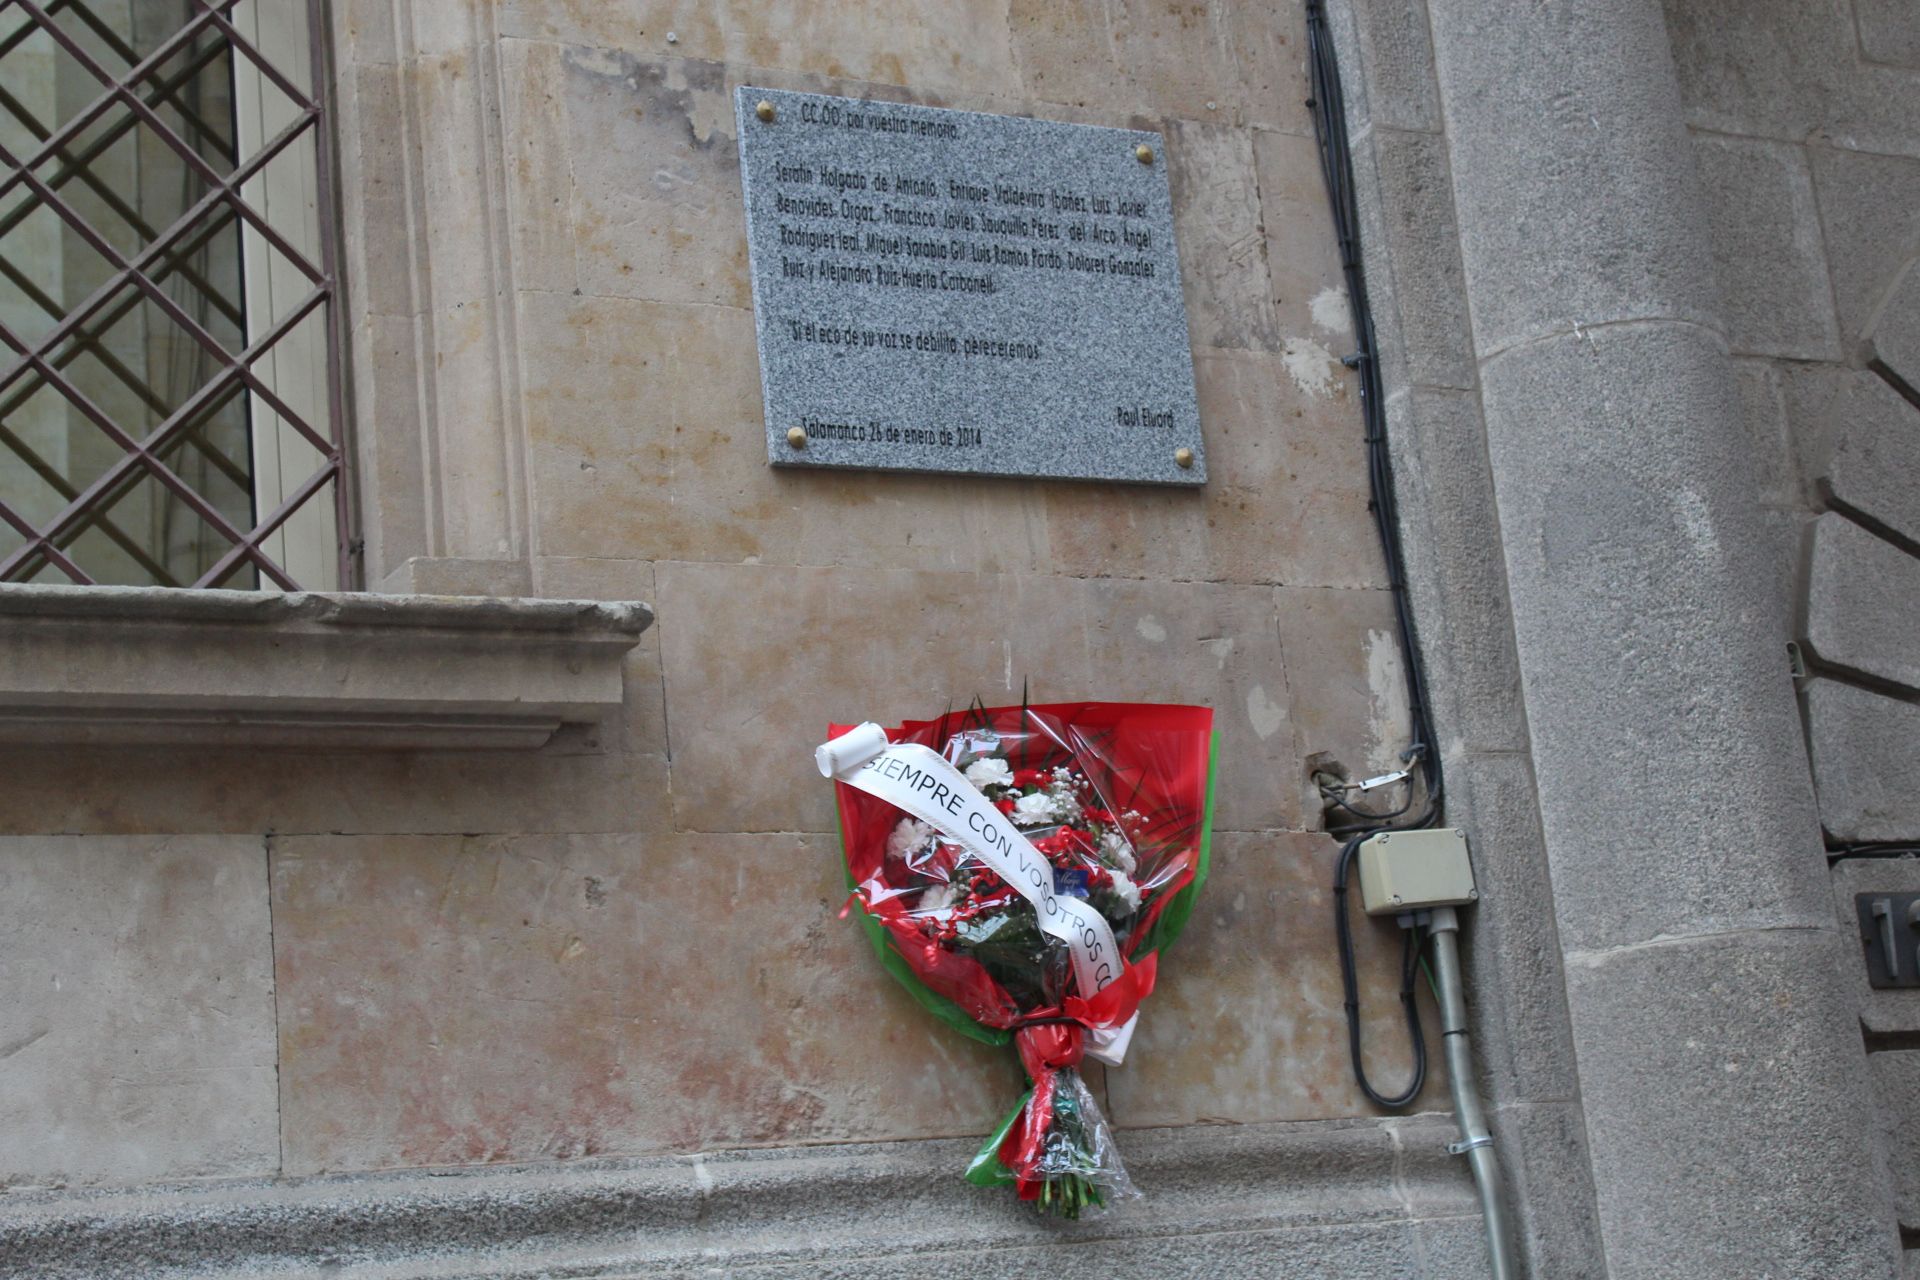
{"x": 764, "y": 111}
{"x": 797, "y": 437}
{"x": 1183, "y": 457}
{"x": 1143, "y": 153}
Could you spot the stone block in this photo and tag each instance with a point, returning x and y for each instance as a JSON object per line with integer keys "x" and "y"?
{"x": 1385, "y": 49}
{"x": 1510, "y": 943}
{"x": 1763, "y": 411}
{"x": 1789, "y": 71}
{"x": 540, "y": 158}
{"x": 1545, "y": 256}
{"x": 823, "y": 644}
{"x": 1863, "y": 602}
{"x": 1286, "y": 502}
{"x": 1895, "y": 337}
{"x": 1212, "y": 1206}
{"x": 1550, "y": 1197}
{"x": 378, "y": 214}
{"x": 1699, "y": 1053}
{"x": 647, "y": 443}
{"x": 958, "y": 46}
{"x": 364, "y": 32}
{"x": 1311, "y": 317}
{"x": 1857, "y": 441}
{"x": 1348, "y": 690}
{"x": 136, "y": 1039}
{"x": 1764, "y": 232}
{"x": 1646, "y": 622}
{"x": 1223, "y": 248}
{"x": 1220, "y": 63}
{"x": 459, "y": 1000}
{"x": 1866, "y": 203}
{"x": 1412, "y": 247}
{"x": 659, "y": 215}
{"x": 1245, "y": 1023}
{"x": 1888, "y": 32}
{"x": 133, "y": 790}
{"x": 390, "y": 471}
{"x": 1897, "y": 1009}
{"x": 1457, "y": 579}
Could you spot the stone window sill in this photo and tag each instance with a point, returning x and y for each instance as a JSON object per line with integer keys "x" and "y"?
{"x": 141, "y": 665}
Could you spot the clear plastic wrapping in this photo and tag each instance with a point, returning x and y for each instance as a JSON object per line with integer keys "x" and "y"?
{"x": 1116, "y": 797}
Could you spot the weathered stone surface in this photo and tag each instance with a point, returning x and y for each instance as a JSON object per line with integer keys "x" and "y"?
{"x": 1545, "y": 1162}
{"x": 1286, "y": 503}
{"x": 1217, "y": 215}
{"x": 449, "y": 1000}
{"x": 1229, "y": 63}
{"x": 136, "y": 1039}
{"x": 538, "y": 167}
{"x": 1888, "y": 32}
{"x": 1706, "y": 1096}
{"x": 961, "y": 47}
{"x": 1539, "y": 118}
{"x": 1857, "y": 441}
{"x": 147, "y": 664}
{"x": 1346, "y": 683}
{"x": 1763, "y": 411}
{"x": 1648, "y": 632}
{"x": 647, "y": 443}
{"x": 1510, "y": 943}
{"x": 1863, "y": 746}
{"x": 1385, "y": 49}
{"x": 1767, "y": 255}
{"x": 1863, "y": 602}
{"x": 1456, "y": 577}
{"x": 1787, "y": 70}
{"x": 1311, "y": 315}
{"x": 1347, "y": 1205}
{"x": 820, "y": 645}
{"x": 1866, "y": 206}
{"x": 1241, "y": 1028}
{"x": 1895, "y": 1009}
{"x": 1896, "y": 334}
{"x": 1412, "y": 251}
{"x": 1897, "y": 1089}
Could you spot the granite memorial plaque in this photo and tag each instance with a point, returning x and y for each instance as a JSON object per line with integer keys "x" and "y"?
{"x": 948, "y": 291}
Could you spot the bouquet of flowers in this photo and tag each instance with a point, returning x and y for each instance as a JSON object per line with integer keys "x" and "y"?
{"x": 1020, "y": 870}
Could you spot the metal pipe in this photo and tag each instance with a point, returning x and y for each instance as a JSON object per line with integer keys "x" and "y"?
{"x": 1475, "y": 1141}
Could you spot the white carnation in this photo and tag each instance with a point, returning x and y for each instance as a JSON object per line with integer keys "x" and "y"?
{"x": 1033, "y": 810}
{"x": 989, "y": 771}
{"x": 1115, "y": 850}
{"x": 1129, "y": 891}
{"x": 939, "y": 897}
{"x": 908, "y": 838}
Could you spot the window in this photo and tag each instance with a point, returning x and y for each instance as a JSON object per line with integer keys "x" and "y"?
{"x": 170, "y": 407}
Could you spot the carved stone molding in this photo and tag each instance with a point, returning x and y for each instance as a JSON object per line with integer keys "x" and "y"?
{"x": 132, "y": 665}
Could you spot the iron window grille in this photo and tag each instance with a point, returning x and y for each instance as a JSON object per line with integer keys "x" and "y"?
{"x": 170, "y": 407}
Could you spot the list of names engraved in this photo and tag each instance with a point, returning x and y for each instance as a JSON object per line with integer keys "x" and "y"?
{"x": 947, "y": 291}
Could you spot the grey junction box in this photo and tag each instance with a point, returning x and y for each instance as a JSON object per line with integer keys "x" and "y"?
{"x": 949, "y": 291}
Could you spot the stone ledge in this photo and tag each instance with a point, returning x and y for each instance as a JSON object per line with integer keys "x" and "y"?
{"x": 1353, "y": 1192}
{"x": 143, "y": 665}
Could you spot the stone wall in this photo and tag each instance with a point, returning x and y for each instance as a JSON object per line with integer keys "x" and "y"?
{"x": 1812, "y": 192}
{"x": 626, "y": 945}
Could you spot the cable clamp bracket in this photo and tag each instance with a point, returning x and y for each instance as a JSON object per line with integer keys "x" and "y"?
{"x": 1467, "y": 1144}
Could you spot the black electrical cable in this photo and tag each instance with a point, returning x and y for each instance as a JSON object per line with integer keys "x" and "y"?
{"x": 1350, "y": 985}
{"x": 1328, "y": 107}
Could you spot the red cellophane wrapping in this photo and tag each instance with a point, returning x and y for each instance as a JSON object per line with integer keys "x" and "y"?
{"x": 1118, "y": 797}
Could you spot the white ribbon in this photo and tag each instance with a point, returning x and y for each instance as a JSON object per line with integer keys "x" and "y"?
{"x": 921, "y": 782}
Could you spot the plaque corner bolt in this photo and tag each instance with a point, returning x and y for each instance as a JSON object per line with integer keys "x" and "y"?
{"x": 1143, "y": 153}
{"x": 1183, "y": 458}
{"x": 764, "y": 110}
{"x": 796, "y": 437}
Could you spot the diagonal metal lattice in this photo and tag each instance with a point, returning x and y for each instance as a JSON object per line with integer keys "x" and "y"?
{"x": 103, "y": 364}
